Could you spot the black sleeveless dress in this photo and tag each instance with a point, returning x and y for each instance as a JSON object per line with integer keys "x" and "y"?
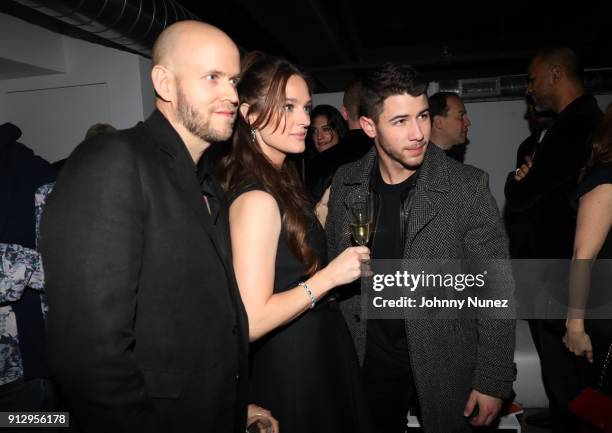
{"x": 599, "y": 175}
{"x": 306, "y": 372}
{"x": 599, "y": 330}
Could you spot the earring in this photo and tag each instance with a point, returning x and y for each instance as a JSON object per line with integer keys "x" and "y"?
{"x": 253, "y": 136}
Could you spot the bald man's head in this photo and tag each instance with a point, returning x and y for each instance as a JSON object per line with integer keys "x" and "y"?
{"x": 195, "y": 72}
{"x": 565, "y": 58}
{"x": 178, "y": 40}
{"x": 555, "y": 78}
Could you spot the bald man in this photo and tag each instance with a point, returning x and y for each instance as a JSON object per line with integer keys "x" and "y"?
{"x": 539, "y": 193}
{"x": 147, "y": 332}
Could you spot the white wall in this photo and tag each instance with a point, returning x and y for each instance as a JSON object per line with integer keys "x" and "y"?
{"x": 100, "y": 84}
{"x": 33, "y": 48}
{"x": 498, "y": 128}
{"x": 3, "y": 107}
{"x": 334, "y": 99}
{"x": 54, "y": 120}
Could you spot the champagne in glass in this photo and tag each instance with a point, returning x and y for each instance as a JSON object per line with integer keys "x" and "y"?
{"x": 361, "y": 223}
{"x": 361, "y": 232}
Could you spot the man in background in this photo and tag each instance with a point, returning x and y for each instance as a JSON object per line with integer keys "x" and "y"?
{"x": 539, "y": 193}
{"x": 449, "y": 124}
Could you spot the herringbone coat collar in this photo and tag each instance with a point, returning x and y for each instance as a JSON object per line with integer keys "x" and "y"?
{"x": 430, "y": 189}
{"x": 433, "y": 174}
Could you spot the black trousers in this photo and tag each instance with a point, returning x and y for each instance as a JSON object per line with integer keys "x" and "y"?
{"x": 390, "y": 390}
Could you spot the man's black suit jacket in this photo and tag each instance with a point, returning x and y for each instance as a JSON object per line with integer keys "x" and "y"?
{"x": 147, "y": 332}
{"x": 542, "y": 201}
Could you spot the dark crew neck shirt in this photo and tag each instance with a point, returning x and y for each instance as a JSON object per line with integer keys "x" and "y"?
{"x": 387, "y": 337}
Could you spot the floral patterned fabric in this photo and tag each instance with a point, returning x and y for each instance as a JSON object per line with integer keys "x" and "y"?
{"x": 20, "y": 267}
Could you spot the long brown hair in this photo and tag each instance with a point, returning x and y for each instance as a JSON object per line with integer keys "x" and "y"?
{"x": 262, "y": 86}
{"x": 602, "y": 145}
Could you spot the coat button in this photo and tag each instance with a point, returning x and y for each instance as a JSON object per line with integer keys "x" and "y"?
{"x": 237, "y": 377}
{"x": 235, "y": 329}
{"x": 357, "y": 318}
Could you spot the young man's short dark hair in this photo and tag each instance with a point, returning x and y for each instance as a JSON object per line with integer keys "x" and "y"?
{"x": 387, "y": 80}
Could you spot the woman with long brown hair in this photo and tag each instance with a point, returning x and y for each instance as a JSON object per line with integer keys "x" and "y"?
{"x": 304, "y": 366}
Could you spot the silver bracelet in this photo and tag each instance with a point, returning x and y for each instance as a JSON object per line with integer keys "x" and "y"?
{"x": 309, "y": 292}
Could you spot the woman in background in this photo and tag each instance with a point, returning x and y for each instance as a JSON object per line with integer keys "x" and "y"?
{"x": 327, "y": 127}
{"x": 326, "y": 130}
{"x": 588, "y": 339}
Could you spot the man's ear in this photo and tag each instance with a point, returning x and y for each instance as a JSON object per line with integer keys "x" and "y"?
{"x": 437, "y": 122}
{"x": 344, "y": 113}
{"x": 368, "y": 126}
{"x": 164, "y": 83}
{"x": 556, "y": 73}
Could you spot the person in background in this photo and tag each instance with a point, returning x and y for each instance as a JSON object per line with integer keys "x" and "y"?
{"x": 327, "y": 127}
{"x": 25, "y": 383}
{"x": 449, "y": 124}
{"x": 353, "y": 146}
{"x": 540, "y": 191}
{"x": 355, "y": 143}
{"x": 587, "y": 339}
{"x": 99, "y": 128}
{"x": 326, "y": 130}
{"x": 518, "y": 223}
{"x": 92, "y": 131}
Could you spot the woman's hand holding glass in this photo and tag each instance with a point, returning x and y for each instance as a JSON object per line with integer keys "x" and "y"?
{"x": 346, "y": 268}
{"x": 361, "y": 207}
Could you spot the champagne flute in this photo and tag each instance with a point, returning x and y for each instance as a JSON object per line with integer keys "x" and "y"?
{"x": 362, "y": 218}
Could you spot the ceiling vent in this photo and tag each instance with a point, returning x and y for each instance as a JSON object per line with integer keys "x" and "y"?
{"x": 480, "y": 88}
{"x": 515, "y": 86}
